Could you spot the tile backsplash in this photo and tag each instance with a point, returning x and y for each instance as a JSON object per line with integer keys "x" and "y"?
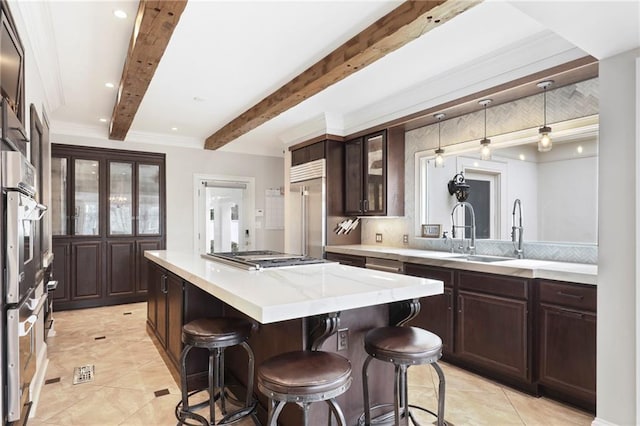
{"x": 393, "y": 230}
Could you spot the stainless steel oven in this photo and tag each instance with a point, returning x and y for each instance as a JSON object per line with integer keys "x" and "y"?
{"x": 21, "y": 213}
{"x": 21, "y": 354}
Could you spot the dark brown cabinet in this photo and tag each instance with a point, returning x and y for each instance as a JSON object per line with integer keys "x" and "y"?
{"x": 493, "y": 323}
{"x": 174, "y": 287}
{"x": 436, "y": 312}
{"x": 109, "y": 206}
{"x": 347, "y": 259}
{"x": 374, "y": 174}
{"x": 567, "y": 341}
{"x": 308, "y": 153}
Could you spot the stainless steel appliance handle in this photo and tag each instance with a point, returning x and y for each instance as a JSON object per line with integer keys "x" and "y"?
{"x": 303, "y": 208}
{"x": 36, "y": 304}
{"x": 383, "y": 268}
{"x": 22, "y": 326}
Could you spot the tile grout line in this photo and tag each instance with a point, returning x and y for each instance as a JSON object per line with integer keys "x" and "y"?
{"x": 513, "y": 406}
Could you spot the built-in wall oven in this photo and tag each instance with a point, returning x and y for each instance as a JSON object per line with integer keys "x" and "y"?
{"x": 21, "y": 213}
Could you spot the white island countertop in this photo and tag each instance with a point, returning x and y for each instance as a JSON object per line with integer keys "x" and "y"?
{"x": 279, "y": 294}
{"x": 525, "y": 268}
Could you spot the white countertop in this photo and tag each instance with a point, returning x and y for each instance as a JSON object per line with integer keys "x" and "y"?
{"x": 526, "y": 268}
{"x": 279, "y": 294}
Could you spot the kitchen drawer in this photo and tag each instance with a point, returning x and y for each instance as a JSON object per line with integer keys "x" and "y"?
{"x": 347, "y": 259}
{"x": 567, "y": 294}
{"x": 435, "y": 273}
{"x": 494, "y": 284}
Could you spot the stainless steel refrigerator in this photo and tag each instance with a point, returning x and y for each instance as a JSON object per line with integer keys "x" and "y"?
{"x": 308, "y": 209}
{"x": 316, "y": 201}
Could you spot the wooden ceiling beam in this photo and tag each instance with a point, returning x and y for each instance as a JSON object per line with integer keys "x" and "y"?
{"x": 152, "y": 31}
{"x": 407, "y": 22}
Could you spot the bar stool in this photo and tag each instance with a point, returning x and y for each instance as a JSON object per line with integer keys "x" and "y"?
{"x": 403, "y": 347}
{"x": 304, "y": 377}
{"x": 215, "y": 334}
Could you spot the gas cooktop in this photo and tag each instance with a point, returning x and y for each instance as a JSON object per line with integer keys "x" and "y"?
{"x": 260, "y": 259}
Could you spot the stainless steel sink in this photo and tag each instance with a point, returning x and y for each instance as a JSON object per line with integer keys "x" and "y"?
{"x": 480, "y": 258}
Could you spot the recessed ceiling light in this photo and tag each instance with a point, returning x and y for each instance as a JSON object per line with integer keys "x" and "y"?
{"x": 174, "y": 128}
{"x": 110, "y": 85}
{"x": 104, "y": 120}
{"x": 120, "y": 14}
{"x": 579, "y": 149}
{"x": 522, "y": 157}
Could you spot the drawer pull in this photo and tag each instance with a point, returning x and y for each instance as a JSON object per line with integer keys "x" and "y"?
{"x": 571, "y": 314}
{"x": 572, "y": 296}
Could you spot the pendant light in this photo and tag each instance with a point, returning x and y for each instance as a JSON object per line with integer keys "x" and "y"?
{"x": 439, "y": 160}
{"x": 544, "y": 143}
{"x": 485, "y": 151}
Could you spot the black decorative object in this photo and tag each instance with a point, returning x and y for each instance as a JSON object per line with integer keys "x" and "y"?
{"x": 459, "y": 187}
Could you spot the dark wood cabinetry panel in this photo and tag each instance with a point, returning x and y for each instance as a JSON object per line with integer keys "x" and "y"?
{"x": 62, "y": 270}
{"x": 141, "y": 263}
{"x": 175, "y": 298}
{"x": 567, "y": 341}
{"x": 436, "y": 312}
{"x": 120, "y": 267}
{"x": 115, "y": 197}
{"x": 154, "y": 282}
{"x": 374, "y": 174}
{"x": 86, "y": 261}
{"x": 493, "y": 333}
{"x": 308, "y": 153}
{"x": 347, "y": 259}
{"x": 161, "y": 309}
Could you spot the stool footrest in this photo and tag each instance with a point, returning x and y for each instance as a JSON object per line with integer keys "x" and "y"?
{"x": 388, "y": 418}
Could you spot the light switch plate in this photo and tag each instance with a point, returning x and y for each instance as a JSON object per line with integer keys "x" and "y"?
{"x": 343, "y": 339}
{"x": 378, "y": 238}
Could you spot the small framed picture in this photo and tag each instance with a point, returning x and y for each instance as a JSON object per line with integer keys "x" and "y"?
{"x": 431, "y": 231}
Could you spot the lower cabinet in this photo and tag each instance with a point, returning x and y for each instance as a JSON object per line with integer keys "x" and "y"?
{"x": 165, "y": 307}
{"x": 347, "y": 259}
{"x": 436, "y": 312}
{"x": 567, "y": 341}
{"x": 494, "y": 324}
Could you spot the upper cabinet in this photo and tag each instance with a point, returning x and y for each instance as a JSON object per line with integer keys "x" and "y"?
{"x": 374, "y": 174}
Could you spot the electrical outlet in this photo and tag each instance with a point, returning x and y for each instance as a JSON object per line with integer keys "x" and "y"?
{"x": 378, "y": 238}
{"x": 343, "y": 339}
{"x": 405, "y": 238}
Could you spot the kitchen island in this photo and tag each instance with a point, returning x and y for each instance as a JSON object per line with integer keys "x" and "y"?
{"x": 294, "y": 308}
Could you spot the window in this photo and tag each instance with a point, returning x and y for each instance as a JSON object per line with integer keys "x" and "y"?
{"x": 223, "y": 208}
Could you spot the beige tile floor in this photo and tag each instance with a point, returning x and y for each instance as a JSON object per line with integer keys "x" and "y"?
{"x": 129, "y": 370}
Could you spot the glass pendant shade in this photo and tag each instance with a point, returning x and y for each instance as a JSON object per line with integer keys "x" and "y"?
{"x": 545, "y": 143}
{"x": 485, "y": 151}
{"x": 439, "y": 158}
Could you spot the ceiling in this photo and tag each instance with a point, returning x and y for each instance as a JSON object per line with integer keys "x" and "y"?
{"x": 225, "y": 56}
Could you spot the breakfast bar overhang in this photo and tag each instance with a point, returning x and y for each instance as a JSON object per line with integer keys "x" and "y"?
{"x": 298, "y": 307}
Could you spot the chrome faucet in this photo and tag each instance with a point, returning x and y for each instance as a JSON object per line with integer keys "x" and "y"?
{"x": 518, "y": 251}
{"x": 472, "y": 243}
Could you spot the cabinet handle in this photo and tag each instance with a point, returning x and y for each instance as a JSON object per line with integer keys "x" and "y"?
{"x": 450, "y": 301}
{"x": 164, "y": 284}
{"x": 570, "y": 314}
{"x": 459, "y": 304}
{"x": 572, "y": 296}
{"x": 366, "y": 205}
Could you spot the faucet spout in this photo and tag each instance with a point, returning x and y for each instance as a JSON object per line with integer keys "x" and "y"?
{"x": 472, "y": 227}
{"x": 518, "y": 251}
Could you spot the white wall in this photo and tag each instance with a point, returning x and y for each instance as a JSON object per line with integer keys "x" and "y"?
{"x": 617, "y": 330}
{"x": 181, "y": 165}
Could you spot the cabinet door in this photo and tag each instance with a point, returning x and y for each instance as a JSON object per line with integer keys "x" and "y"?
{"x": 62, "y": 270}
{"x": 60, "y": 217}
{"x": 436, "y": 312}
{"x": 149, "y": 215}
{"x": 154, "y": 285}
{"x": 86, "y": 197}
{"x": 492, "y": 332}
{"x": 353, "y": 177}
{"x": 375, "y": 176}
{"x": 568, "y": 351}
{"x": 141, "y": 263}
{"x": 120, "y": 267}
{"x": 175, "y": 297}
{"x": 120, "y": 198}
{"x": 86, "y": 261}
{"x": 161, "y": 309}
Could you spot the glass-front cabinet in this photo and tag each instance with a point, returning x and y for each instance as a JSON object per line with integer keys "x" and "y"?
{"x": 107, "y": 208}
